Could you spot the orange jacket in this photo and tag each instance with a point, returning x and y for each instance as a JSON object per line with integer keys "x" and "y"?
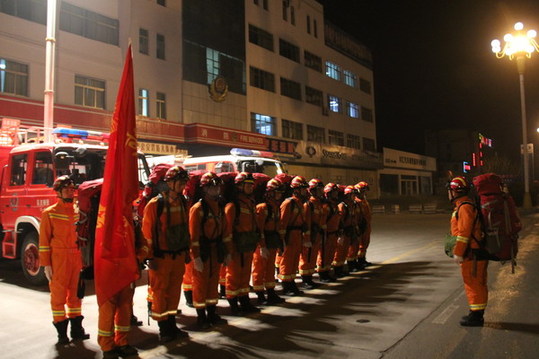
{"x": 214, "y": 225}
{"x": 247, "y": 216}
{"x": 349, "y": 212}
{"x": 262, "y": 214}
{"x": 57, "y": 230}
{"x": 465, "y": 225}
{"x": 294, "y": 213}
{"x": 333, "y": 216}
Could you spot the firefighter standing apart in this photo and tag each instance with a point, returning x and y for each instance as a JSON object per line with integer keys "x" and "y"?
{"x": 348, "y": 233}
{"x": 165, "y": 228}
{"x": 364, "y": 224}
{"x": 467, "y": 253}
{"x": 329, "y": 242}
{"x": 61, "y": 258}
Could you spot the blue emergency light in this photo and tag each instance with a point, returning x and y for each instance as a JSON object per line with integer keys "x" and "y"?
{"x": 80, "y": 134}
{"x": 246, "y": 152}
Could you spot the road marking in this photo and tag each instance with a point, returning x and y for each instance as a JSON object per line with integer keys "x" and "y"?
{"x": 448, "y": 312}
{"x": 409, "y": 253}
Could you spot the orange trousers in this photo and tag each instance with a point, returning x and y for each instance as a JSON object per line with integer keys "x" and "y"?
{"x": 475, "y": 284}
{"x": 66, "y": 266}
{"x": 205, "y": 283}
{"x": 166, "y": 282}
{"x": 307, "y": 258}
{"x": 290, "y": 258}
{"x": 187, "y": 282}
{"x": 353, "y": 250}
{"x": 238, "y": 273}
{"x": 326, "y": 253}
{"x": 364, "y": 242}
{"x": 222, "y": 275}
{"x": 341, "y": 251}
{"x": 115, "y": 319}
{"x": 263, "y": 274}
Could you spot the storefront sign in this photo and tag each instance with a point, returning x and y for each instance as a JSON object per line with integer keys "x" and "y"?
{"x": 201, "y": 133}
{"x": 401, "y": 159}
{"x": 316, "y": 153}
{"x": 160, "y": 148}
{"x": 282, "y": 146}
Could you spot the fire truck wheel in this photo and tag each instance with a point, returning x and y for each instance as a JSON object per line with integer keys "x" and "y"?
{"x": 30, "y": 260}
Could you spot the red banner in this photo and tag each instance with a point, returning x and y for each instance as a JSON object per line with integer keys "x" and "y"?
{"x": 115, "y": 260}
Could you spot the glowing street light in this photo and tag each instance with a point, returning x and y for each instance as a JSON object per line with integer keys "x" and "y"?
{"x": 520, "y": 45}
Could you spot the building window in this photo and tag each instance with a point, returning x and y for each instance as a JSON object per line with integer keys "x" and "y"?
{"x": 353, "y": 141}
{"x": 293, "y": 130}
{"x": 365, "y": 85}
{"x": 160, "y": 46}
{"x": 335, "y": 138}
{"x": 350, "y": 78}
{"x": 256, "y": 2}
{"x": 89, "y": 92}
{"x": 369, "y": 144}
{"x": 290, "y": 88}
{"x": 143, "y": 41}
{"x": 19, "y": 170}
{"x": 13, "y": 77}
{"x": 162, "y": 2}
{"x": 260, "y": 37}
{"x": 262, "y": 79}
{"x": 316, "y": 134}
{"x": 288, "y": 50}
{"x": 313, "y": 96}
{"x": 292, "y": 15}
{"x": 33, "y": 10}
{"x": 366, "y": 114}
{"x": 333, "y": 70}
{"x": 161, "y": 105}
{"x": 265, "y": 4}
{"x": 143, "y": 102}
{"x": 315, "y": 28}
{"x": 89, "y": 24}
{"x": 263, "y": 124}
{"x": 352, "y": 109}
{"x": 308, "y": 24}
{"x": 312, "y": 61}
{"x": 285, "y": 10}
{"x": 334, "y": 103}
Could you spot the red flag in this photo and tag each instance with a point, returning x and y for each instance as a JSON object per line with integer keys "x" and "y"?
{"x": 115, "y": 263}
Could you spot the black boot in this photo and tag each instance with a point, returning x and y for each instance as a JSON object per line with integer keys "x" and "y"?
{"x": 213, "y": 317}
{"x": 126, "y": 351}
{"x": 339, "y": 272}
{"x": 188, "y": 298}
{"x": 234, "y": 308}
{"x": 77, "y": 331}
{"x": 202, "y": 320}
{"x": 261, "y": 298}
{"x": 61, "y": 328}
{"x": 222, "y": 291}
{"x": 135, "y": 322}
{"x": 111, "y": 354}
{"x": 166, "y": 333}
{"x": 473, "y": 319}
{"x": 361, "y": 263}
{"x": 273, "y": 298}
{"x": 308, "y": 282}
{"x": 178, "y": 333}
{"x": 353, "y": 265}
{"x": 246, "y": 305}
{"x": 325, "y": 277}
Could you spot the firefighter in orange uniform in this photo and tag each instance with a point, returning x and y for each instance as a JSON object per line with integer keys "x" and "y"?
{"x": 243, "y": 229}
{"x": 268, "y": 216}
{"x": 348, "y": 230}
{"x": 473, "y": 260}
{"x": 365, "y": 224}
{"x": 61, "y": 258}
{"x": 329, "y": 241}
{"x": 307, "y": 261}
{"x": 207, "y": 226}
{"x": 355, "y": 241}
{"x": 165, "y": 228}
{"x": 187, "y": 284}
{"x": 295, "y": 224}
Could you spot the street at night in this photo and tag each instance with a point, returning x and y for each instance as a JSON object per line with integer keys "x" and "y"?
{"x": 406, "y": 306}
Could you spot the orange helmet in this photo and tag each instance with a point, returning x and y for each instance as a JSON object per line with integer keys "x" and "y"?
{"x": 331, "y": 187}
{"x": 315, "y": 182}
{"x": 349, "y": 190}
{"x": 210, "y": 179}
{"x": 299, "y": 182}
{"x": 274, "y": 185}
{"x": 61, "y": 182}
{"x": 176, "y": 173}
{"x": 244, "y": 177}
{"x": 459, "y": 184}
{"x": 362, "y": 186}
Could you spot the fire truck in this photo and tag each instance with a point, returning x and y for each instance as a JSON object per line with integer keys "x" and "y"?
{"x": 28, "y": 170}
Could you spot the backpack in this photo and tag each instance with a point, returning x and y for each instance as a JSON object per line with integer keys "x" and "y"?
{"x": 154, "y": 186}
{"x": 261, "y": 181}
{"x": 499, "y": 218}
{"x": 88, "y": 195}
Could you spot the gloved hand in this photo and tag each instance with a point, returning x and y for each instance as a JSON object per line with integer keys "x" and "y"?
{"x": 48, "y": 272}
{"x": 458, "y": 259}
{"x": 307, "y": 244}
{"x": 198, "y": 264}
{"x": 264, "y": 252}
{"x": 228, "y": 259}
{"x": 340, "y": 240}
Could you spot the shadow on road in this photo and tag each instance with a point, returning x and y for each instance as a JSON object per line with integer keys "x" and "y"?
{"x": 517, "y": 327}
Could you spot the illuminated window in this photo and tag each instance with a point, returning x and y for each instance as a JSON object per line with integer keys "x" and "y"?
{"x": 260, "y": 37}
{"x": 352, "y": 109}
{"x": 143, "y": 41}
{"x": 143, "y": 102}
{"x": 316, "y": 134}
{"x": 160, "y": 46}
{"x": 333, "y": 70}
{"x": 293, "y": 130}
{"x": 364, "y": 85}
{"x": 263, "y": 124}
{"x": 313, "y": 96}
{"x": 335, "y": 138}
{"x": 290, "y": 89}
{"x": 161, "y": 105}
{"x": 366, "y": 114}
{"x": 13, "y": 77}
{"x": 334, "y": 103}
{"x": 288, "y": 50}
{"x": 312, "y": 61}
{"x": 353, "y": 141}
{"x": 89, "y": 92}
{"x": 89, "y": 24}
{"x": 262, "y": 79}
{"x": 350, "y": 78}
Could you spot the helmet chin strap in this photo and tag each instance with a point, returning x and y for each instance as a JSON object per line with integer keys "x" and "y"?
{"x": 66, "y": 200}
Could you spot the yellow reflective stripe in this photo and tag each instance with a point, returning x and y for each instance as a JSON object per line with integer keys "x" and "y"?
{"x": 478, "y": 306}
{"x": 307, "y": 232}
{"x": 195, "y": 244}
{"x": 227, "y": 239}
{"x": 282, "y": 231}
{"x": 306, "y": 271}
{"x": 59, "y": 216}
{"x": 463, "y": 239}
{"x": 211, "y": 301}
{"x": 120, "y": 328}
{"x": 232, "y": 292}
{"x": 104, "y": 333}
{"x": 199, "y": 305}
{"x": 287, "y": 276}
{"x": 222, "y": 281}
{"x": 73, "y": 310}
{"x": 258, "y": 288}
{"x": 58, "y": 313}
{"x": 159, "y": 315}
{"x": 44, "y": 248}
{"x": 269, "y": 284}
{"x": 245, "y": 211}
{"x": 338, "y": 264}
{"x": 187, "y": 287}
{"x": 172, "y": 312}
{"x": 244, "y": 290}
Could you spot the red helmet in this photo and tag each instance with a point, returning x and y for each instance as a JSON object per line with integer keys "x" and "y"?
{"x": 331, "y": 187}
{"x": 299, "y": 182}
{"x": 176, "y": 173}
{"x": 459, "y": 184}
{"x": 210, "y": 179}
{"x": 244, "y": 177}
{"x": 61, "y": 182}
{"x": 274, "y": 185}
{"x": 362, "y": 186}
{"x": 349, "y": 190}
{"x": 315, "y": 182}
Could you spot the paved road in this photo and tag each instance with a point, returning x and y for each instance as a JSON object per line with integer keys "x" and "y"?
{"x": 407, "y": 306}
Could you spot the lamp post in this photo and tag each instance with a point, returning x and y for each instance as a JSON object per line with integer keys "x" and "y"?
{"x": 520, "y": 46}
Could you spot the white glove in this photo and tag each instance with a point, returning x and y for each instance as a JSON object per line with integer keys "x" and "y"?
{"x": 198, "y": 264}
{"x": 228, "y": 259}
{"x": 340, "y": 241}
{"x": 307, "y": 244}
{"x": 458, "y": 259}
{"x": 48, "y": 272}
{"x": 264, "y": 252}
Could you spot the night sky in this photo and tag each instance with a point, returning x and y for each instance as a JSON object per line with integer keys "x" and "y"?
{"x": 434, "y": 68}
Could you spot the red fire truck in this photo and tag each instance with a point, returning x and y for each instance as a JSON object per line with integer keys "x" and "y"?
{"x": 28, "y": 170}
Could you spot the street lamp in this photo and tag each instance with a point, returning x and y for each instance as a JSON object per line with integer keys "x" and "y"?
{"x": 520, "y": 46}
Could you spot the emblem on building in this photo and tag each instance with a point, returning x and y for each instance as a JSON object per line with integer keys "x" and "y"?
{"x": 218, "y": 89}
